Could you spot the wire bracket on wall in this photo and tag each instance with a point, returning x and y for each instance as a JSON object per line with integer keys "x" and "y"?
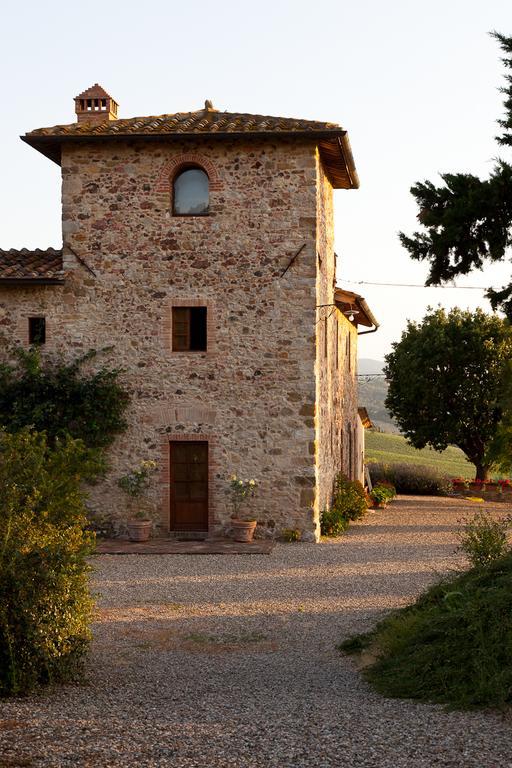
{"x": 285, "y": 270}
{"x": 81, "y": 260}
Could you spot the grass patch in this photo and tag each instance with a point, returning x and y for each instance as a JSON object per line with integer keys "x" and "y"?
{"x": 394, "y": 449}
{"x": 452, "y": 646}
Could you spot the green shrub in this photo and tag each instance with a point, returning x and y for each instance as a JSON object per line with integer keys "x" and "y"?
{"x": 382, "y": 493}
{"x": 348, "y": 503}
{"x": 452, "y": 646}
{"x": 61, "y": 398}
{"x": 45, "y": 604}
{"x": 484, "y": 539}
{"x": 389, "y": 489}
{"x": 411, "y": 478}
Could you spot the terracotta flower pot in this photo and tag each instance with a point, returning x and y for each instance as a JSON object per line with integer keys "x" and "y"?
{"x": 243, "y": 530}
{"x": 139, "y": 530}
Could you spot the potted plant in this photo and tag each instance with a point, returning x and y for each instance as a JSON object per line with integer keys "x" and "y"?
{"x": 239, "y": 492}
{"x": 380, "y": 496}
{"x": 134, "y": 484}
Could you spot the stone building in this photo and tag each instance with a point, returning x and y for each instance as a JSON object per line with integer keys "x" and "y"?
{"x": 200, "y": 246}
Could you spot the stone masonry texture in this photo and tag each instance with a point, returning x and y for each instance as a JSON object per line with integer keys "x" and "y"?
{"x": 275, "y": 392}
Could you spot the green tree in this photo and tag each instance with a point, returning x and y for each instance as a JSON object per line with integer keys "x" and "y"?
{"x": 447, "y": 382}
{"x": 468, "y": 221}
{"x": 499, "y": 454}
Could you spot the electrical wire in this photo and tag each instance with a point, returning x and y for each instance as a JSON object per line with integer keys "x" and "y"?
{"x": 417, "y": 285}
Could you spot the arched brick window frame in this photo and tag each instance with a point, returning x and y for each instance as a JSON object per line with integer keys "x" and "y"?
{"x": 187, "y": 160}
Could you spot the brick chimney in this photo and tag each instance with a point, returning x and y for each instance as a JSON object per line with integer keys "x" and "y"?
{"x": 95, "y": 106}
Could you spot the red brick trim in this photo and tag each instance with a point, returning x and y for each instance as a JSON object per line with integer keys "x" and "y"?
{"x": 171, "y": 168}
{"x": 165, "y": 475}
{"x": 211, "y": 323}
{"x": 22, "y": 330}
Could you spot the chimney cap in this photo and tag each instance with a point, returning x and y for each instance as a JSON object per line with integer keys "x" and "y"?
{"x": 94, "y": 92}
{"x": 95, "y": 105}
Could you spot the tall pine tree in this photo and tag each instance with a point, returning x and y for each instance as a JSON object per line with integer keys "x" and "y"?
{"x": 467, "y": 221}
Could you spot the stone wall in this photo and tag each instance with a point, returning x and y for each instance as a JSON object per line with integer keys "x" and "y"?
{"x": 336, "y": 362}
{"x": 252, "y": 394}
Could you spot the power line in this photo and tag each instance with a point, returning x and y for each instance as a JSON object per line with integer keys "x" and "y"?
{"x": 417, "y": 285}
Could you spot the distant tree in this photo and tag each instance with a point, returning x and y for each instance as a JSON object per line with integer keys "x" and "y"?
{"x": 468, "y": 221}
{"x": 499, "y": 454}
{"x": 448, "y": 383}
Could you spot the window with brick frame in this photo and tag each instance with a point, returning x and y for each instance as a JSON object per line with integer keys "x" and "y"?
{"x": 37, "y": 330}
{"x": 190, "y": 192}
{"x": 189, "y": 329}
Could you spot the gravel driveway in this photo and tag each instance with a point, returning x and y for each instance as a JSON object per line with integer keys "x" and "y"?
{"x": 218, "y": 661}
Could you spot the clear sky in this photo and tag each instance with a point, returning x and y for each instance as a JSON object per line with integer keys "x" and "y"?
{"x": 415, "y": 83}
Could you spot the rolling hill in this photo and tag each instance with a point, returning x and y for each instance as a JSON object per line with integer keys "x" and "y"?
{"x": 394, "y": 449}
{"x": 372, "y": 393}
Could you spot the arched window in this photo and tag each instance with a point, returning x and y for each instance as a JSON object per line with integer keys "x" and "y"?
{"x": 190, "y": 193}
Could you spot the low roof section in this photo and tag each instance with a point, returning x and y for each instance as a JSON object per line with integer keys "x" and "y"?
{"x": 31, "y": 267}
{"x": 349, "y": 302}
{"x": 331, "y": 139}
{"x": 365, "y": 417}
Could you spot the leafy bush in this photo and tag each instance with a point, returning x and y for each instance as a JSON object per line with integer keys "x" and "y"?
{"x": 452, "y": 646}
{"x": 349, "y": 503}
{"x": 484, "y": 539}
{"x": 389, "y": 487}
{"x": 59, "y": 398}
{"x": 45, "y": 604}
{"x": 411, "y": 478}
{"x": 382, "y": 493}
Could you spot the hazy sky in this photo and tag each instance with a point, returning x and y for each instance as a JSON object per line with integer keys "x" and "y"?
{"x": 415, "y": 83}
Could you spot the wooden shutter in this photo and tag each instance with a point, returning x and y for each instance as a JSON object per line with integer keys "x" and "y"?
{"x": 180, "y": 329}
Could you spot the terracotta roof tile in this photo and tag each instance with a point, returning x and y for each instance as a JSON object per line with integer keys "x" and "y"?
{"x": 331, "y": 139}
{"x": 203, "y": 121}
{"x": 31, "y": 265}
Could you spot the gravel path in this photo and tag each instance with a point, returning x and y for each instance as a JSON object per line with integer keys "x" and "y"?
{"x": 214, "y": 661}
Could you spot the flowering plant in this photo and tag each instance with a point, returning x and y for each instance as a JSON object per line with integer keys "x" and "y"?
{"x": 134, "y": 483}
{"x": 239, "y": 491}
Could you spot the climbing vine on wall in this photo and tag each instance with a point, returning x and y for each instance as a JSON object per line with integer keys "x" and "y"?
{"x": 62, "y": 398}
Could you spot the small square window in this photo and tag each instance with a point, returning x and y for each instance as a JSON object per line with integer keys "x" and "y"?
{"x": 189, "y": 329}
{"x": 37, "y": 330}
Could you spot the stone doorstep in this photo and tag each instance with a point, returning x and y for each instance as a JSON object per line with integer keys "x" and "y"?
{"x": 174, "y": 547}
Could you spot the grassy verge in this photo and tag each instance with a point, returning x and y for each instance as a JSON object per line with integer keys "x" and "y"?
{"x": 453, "y": 646}
{"x": 394, "y": 449}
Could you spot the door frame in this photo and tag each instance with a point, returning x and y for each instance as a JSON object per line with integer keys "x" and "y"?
{"x": 189, "y": 440}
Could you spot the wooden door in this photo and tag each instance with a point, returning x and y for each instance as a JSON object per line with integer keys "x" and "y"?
{"x": 189, "y": 486}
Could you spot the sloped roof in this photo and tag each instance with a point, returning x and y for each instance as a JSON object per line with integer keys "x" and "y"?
{"x": 347, "y": 300}
{"x": 331, "y": 139}
{"x": 206, "y": 120}
{"x": 31, "y": 266}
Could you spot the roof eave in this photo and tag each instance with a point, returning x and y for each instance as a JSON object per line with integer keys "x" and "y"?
{"x": 31, "y": 281}
{"x": 346, "y": 151}
{"x": 341, "y": 296}
{"x": 334, "y": 146}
